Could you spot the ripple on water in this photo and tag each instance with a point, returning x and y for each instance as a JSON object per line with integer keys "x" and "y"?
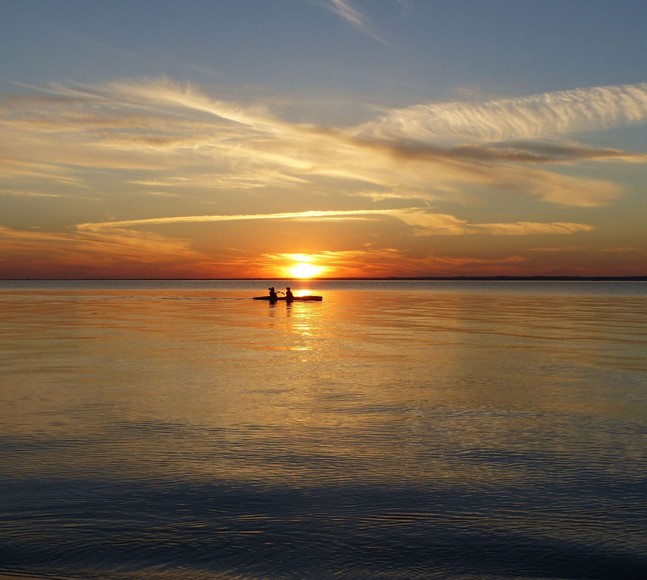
{"x": 350, "y": 531}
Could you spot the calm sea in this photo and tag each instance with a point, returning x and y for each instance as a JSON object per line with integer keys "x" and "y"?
{"x": 181, "y": 430}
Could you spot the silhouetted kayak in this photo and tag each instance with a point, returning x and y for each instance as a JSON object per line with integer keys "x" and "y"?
{"x": 308, "y": 298}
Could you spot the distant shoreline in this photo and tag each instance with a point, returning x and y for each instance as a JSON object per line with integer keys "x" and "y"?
{"x": 359, "y": 279}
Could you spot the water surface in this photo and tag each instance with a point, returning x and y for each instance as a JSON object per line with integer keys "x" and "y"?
{"x": 394, "y": 430}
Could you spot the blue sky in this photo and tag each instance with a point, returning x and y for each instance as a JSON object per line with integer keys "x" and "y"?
{"x": 383, "y": 137}
{"x": 428, "y": 49}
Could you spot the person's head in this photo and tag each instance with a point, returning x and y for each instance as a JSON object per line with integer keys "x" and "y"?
{"x": 288, "y": 288}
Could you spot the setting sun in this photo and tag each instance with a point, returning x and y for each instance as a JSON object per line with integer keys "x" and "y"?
{"x": 305, "y": 270}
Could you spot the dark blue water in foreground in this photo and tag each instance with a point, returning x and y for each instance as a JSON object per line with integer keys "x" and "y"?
{"x": 394, "y": 430}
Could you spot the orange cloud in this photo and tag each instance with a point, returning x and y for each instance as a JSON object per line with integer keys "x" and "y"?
{"x": 424, "y": 221}
{"x": 87, "y": 255}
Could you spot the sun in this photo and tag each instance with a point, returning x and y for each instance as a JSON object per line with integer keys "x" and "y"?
{"x": 304, "y": 270}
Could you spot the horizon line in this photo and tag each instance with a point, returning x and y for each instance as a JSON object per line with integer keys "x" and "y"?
{"x": 565, "y": 277}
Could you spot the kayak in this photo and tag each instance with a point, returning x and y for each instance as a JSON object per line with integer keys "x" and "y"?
{"x": 308, "y": 298}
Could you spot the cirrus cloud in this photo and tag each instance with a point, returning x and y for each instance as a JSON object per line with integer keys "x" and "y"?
{"x": 421, "y": 152}
{"x": 423, "y": 221}
{"x": 541, "y": 116}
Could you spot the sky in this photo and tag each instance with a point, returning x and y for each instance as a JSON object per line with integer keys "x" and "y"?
{"x": 328, "y": 138}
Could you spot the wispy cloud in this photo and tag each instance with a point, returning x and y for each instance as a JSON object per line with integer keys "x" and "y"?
{"x": 427, "y": 223}
{"x": 305, "y": 215}
{"x": 425, "y": 152}
{"x": 27, "y": 193}
{"x": 361, "y": 22}
{"x": 92, "y": 254}
{"x": 12, "y": 168}
{"x": 541, "y": 116}
{"x": 423, "y": 221}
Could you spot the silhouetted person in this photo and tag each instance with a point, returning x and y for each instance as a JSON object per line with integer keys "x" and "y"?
{"x": 289, "y": 297}
{"x": 273, "y": 295}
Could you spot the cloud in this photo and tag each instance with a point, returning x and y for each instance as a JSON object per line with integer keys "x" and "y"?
{"x": 17, "y": 169}
{"x": 530, "y": 228}
{"x": 622, "y": 250}
{"x": 157, "y": 125}
{"x": 541, "y": 116}
{"x": 424, "y": 222}
{"x": 507, "y": 152}
{"x": 433, "y": 224}
{"x": 562, "y": 189}
{"x": 26, "y": 193}
{"x": 138, "y": 148}
{"x": 354, "y": 17}
{"x": 95, "y": 253}
{"x": 304, "y": 215}
{"x": 174, "y": 134}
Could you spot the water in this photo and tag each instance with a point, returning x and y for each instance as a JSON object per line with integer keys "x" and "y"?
{"x": 395, "y": 430}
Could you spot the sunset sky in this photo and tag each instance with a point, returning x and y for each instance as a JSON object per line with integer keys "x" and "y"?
{"x": 366, "y": 138}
